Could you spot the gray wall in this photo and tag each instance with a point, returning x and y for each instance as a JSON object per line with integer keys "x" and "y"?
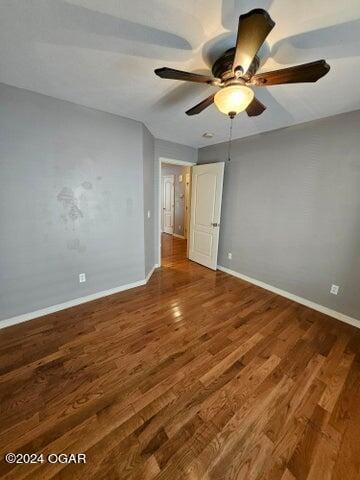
{"x": 74, "y": 184}
{"x": 179, "y": 189}
{"x": 291, "y": 209}
{"x": 175, "y": 151}
{"x": 149, "y": 199}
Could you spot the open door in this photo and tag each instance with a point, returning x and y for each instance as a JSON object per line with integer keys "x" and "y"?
{"x": 206, "y": 194}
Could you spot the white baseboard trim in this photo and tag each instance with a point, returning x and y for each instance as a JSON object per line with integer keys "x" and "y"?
{"x": 303, "y": 301}
{"x": 72, "y": 303}
{"x": 148, "y": 276}
{"x": 178, "y": 236}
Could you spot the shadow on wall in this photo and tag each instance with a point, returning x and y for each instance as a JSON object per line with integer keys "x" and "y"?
{"x": 230, "y": 12}
{"x": 184, "y": 93}
{"x": 232, "y": 9}
{"x": 62, "y": 23}
{"x": 336, "y": 41}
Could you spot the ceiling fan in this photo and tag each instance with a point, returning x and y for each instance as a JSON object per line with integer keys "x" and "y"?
{"x": 235, "y": 71}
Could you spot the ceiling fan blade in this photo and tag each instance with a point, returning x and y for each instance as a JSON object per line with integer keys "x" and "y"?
{"x": 253, "y": 29}
{"x": 255, "y": 108}
{"x": 201, "y": 106}
{"x": 173, "y": 74}
{"x": 307, "y": 72}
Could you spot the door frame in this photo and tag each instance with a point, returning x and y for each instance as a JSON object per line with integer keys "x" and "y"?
{"x": 163, "y": 177}
{"x": 187, "y": 205}
{"x": 171, "y": 161}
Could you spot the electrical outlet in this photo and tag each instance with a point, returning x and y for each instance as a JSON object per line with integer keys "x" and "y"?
{"x": 82, "y": 277}
{"x": 230, "y": 256}
{"x": 149, "y": 214}
{"x": 334, "y": 289}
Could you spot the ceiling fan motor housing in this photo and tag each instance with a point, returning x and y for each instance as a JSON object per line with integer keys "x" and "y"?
{"x": 223, "y": 67}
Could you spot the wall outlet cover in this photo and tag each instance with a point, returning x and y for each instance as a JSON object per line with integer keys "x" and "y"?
{"x": 334, "y": 289}
{"x": 82, "y": 277}
{"x": 230, "y": 256}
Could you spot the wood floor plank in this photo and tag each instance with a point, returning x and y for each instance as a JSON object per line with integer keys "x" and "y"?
{"x": 195, "y": 375}
{"x": 336, "y": 383}
{"x": 222, "y": 365}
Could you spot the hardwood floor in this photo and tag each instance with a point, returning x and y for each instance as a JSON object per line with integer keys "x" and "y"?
{"x": 195, "y": 375}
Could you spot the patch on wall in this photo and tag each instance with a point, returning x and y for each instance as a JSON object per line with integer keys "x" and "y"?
{"x": 67, "y": 198}
{"x": 75, "y": 244}
{"x": 87, "y": 185}
{"x": 81, "y": 208}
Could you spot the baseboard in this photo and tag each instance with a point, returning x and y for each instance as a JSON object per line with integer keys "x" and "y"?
{"x": 73, "y": 303}
{"x": 178, "y": 236}
{"x": 303, "y": 301}
{"x": 148, "y": 276}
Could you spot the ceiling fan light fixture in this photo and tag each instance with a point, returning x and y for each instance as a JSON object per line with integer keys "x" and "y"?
{"x": 233, "y": 99}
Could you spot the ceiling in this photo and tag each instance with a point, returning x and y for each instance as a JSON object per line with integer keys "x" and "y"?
{"x": 102, "y": 54}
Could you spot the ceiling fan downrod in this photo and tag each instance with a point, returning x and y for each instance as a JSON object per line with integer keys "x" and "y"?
{"x": 231, "y": 116}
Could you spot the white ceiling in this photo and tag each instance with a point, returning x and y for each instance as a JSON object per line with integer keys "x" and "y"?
{"x": 102, "y": 54}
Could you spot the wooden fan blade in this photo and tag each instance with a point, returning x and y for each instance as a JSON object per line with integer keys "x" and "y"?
{"x": 307, "y": 72}
{"x": 173, "y": 74}
{"x": 253, "y": 29}
{"x": 201, "y": 106}
{"x": 255, "y": 108}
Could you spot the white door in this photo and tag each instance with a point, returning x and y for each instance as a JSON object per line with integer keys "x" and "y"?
{"x": 168, "y": 204}
{"x": 206, "y": 194}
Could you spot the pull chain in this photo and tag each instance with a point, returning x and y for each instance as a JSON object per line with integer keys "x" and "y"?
{"x": 230, "y": 137}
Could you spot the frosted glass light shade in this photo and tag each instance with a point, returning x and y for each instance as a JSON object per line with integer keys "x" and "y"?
{"x": 233, "y": 99}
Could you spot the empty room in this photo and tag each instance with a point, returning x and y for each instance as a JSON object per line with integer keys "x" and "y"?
{"x": 179, "y": 240}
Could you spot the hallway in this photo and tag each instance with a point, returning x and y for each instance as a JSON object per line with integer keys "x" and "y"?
{"x": 173, "y": 250}
{"x": 195, "y": 375}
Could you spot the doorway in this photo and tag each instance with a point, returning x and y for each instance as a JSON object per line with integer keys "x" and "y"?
{"x": 174, "y": 204}
{"x": 190, "y": 199}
